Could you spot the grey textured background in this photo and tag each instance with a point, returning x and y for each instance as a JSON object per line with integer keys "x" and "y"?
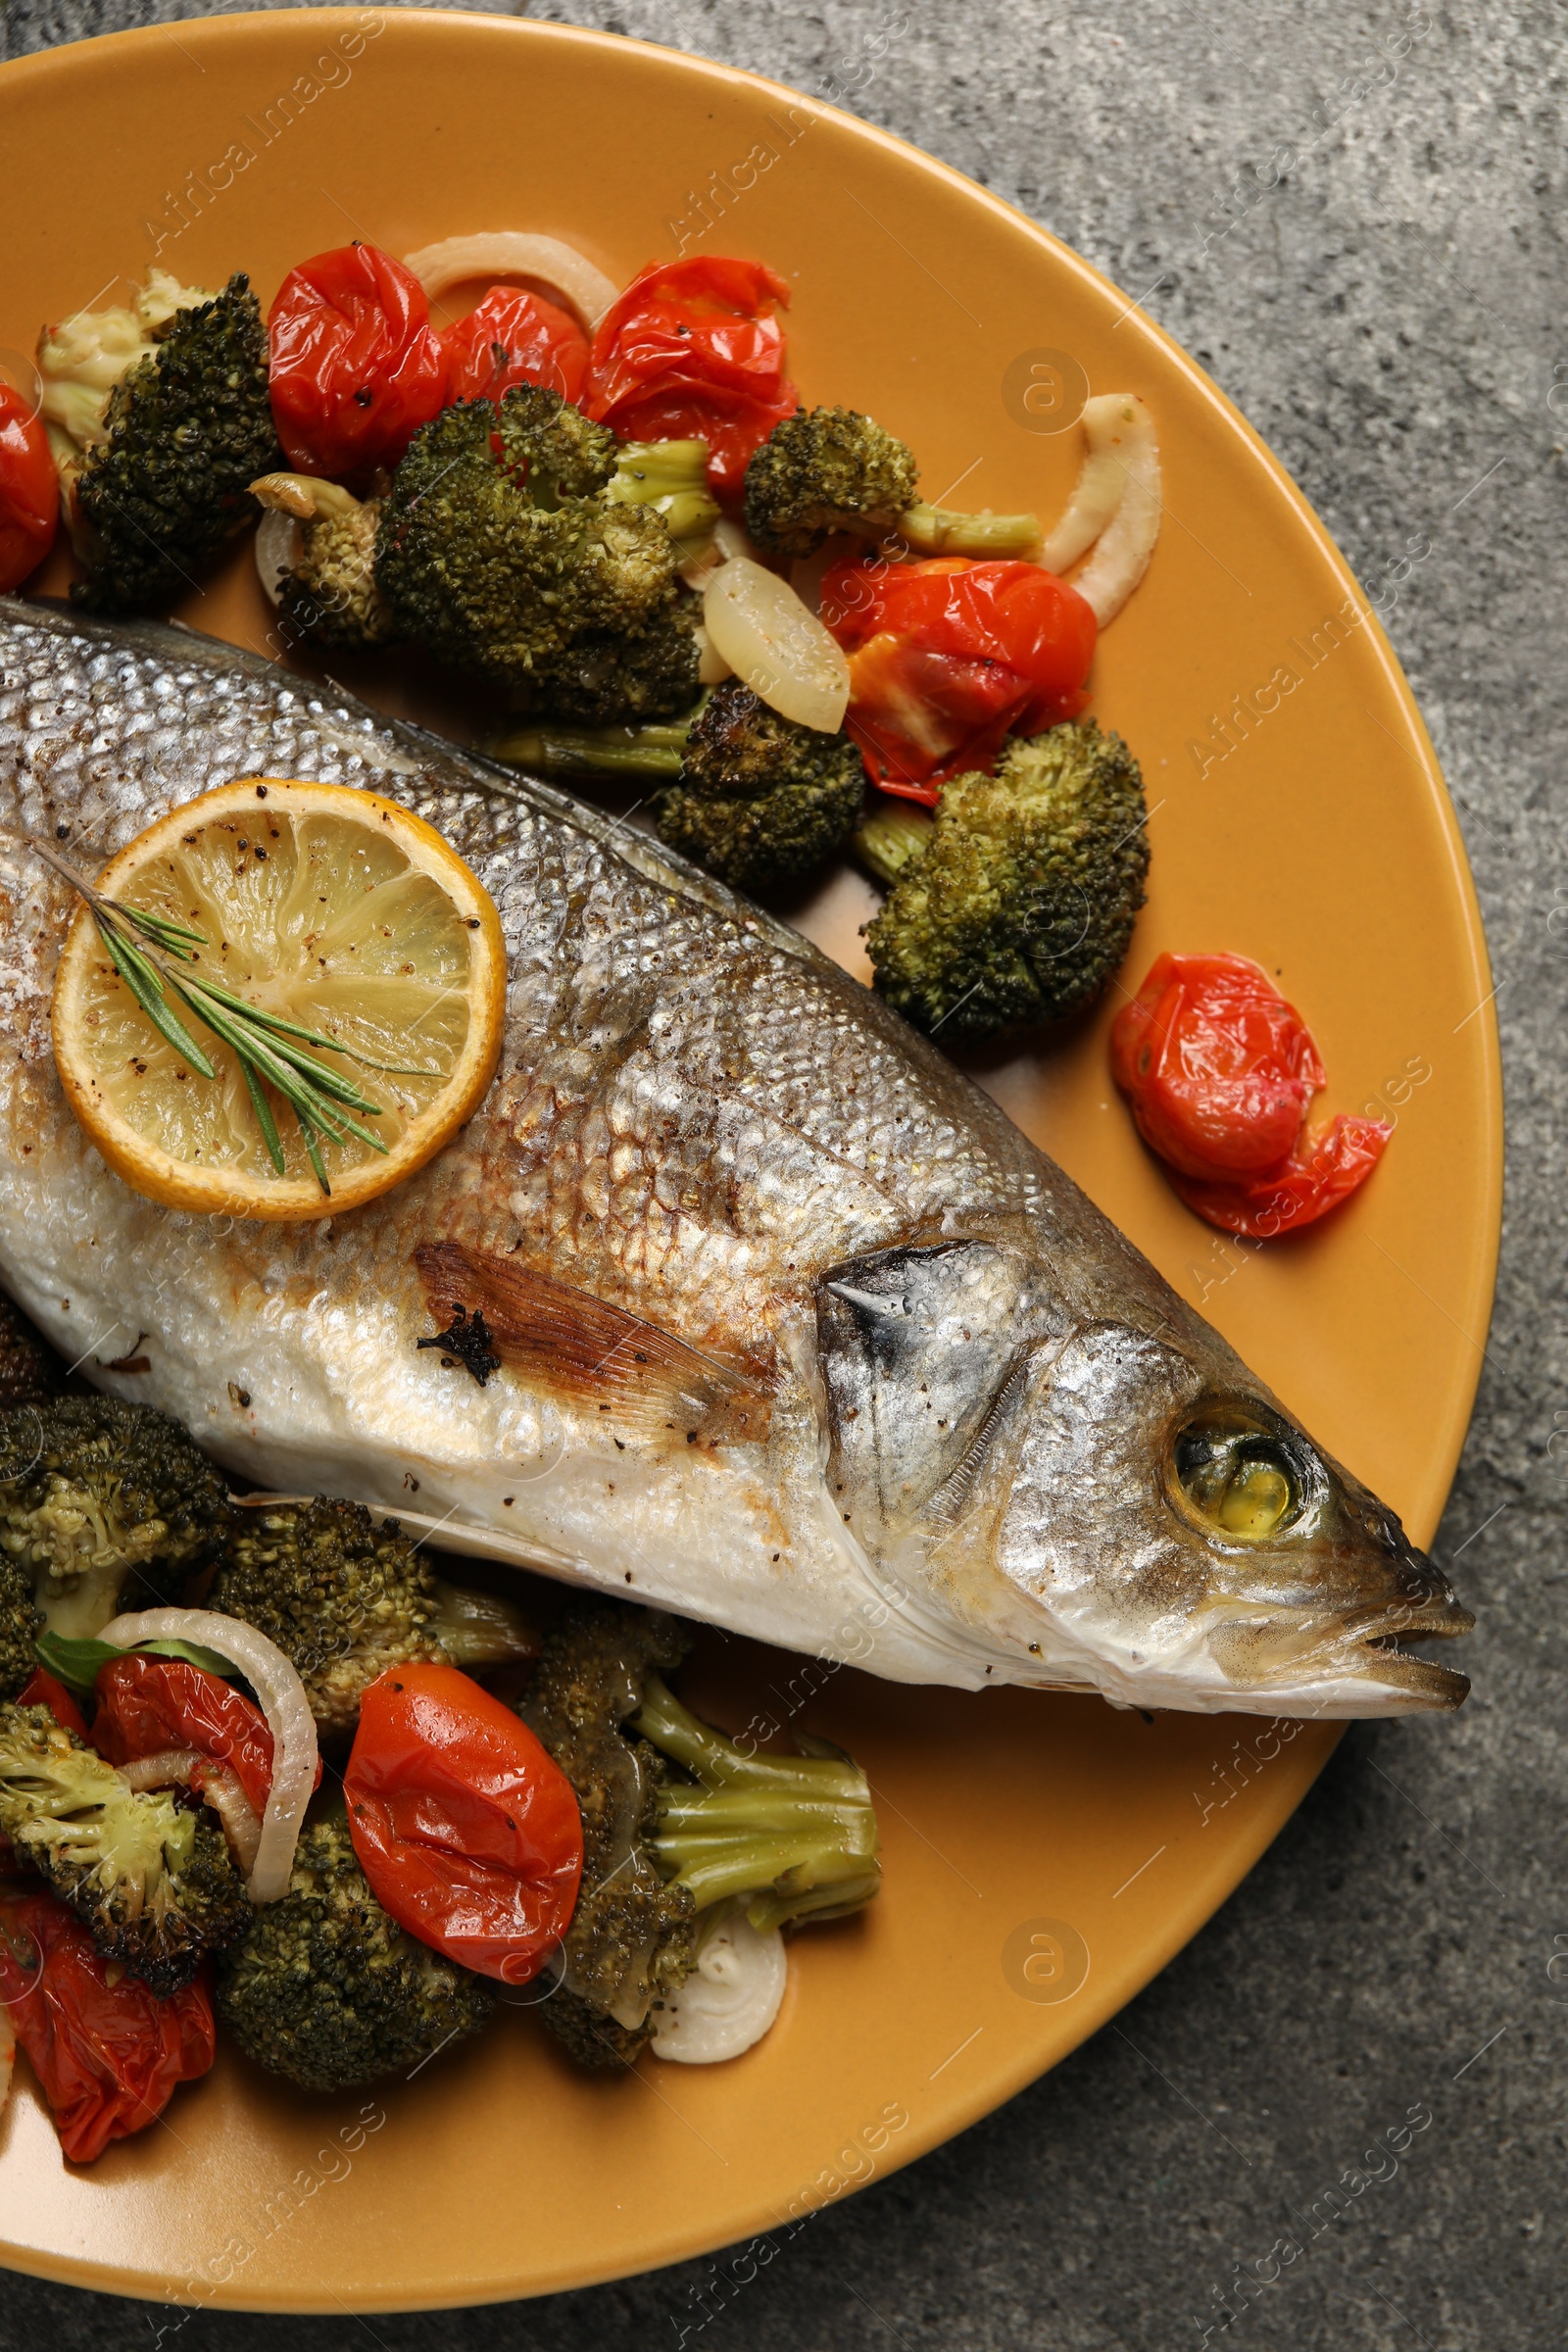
{"x": 1387, "y": 309}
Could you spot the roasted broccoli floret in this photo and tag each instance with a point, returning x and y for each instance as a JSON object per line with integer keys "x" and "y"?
{"x": 676, "y": 1819}
{"x": 824, "y": 471}
{"x": 345, "y": 1599}
{"x": 1018, "y": 903}
{"x": 189, "y": 427}
{"x": 29, "y": 1369}
{"x": 106, "y": 1507}
{"x": 759, "y": 801}
{"x": 329, "y": 1990}
{"x": 21, "y": 1624}
{"x": 330, "y": 596}
{"x": 83, "y": 359}
{"x": 519, "y": 567}
{"x": 149, "y": 1877}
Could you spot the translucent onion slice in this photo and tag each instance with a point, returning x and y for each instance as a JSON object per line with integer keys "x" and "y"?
{"x": 515, "y": 252}
{"x": 730, "y": 1999}
{"x": 283, "y": 1703}
{"x": 758, "y": 626}
{"x": 278, "y": 549}
{"x": 1124, "y": 456}
{"x": 221, "y": 1788}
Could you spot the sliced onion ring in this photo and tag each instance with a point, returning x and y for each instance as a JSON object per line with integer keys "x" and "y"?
{"x": 278, "y": 549}
{"x": 283, "y": 1703}
{"x": 515, "y": 253}
{"x": 1117, "y": 505}
{"x": 730, "y": 1999}
{"x": 758, "y": 626}
{"x": 219, "y": 1786}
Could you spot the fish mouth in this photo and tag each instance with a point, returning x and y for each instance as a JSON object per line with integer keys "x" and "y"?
{"x": 1348, "y": 1661}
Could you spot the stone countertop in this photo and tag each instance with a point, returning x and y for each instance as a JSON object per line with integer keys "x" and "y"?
{"x": 1353, "y": 217}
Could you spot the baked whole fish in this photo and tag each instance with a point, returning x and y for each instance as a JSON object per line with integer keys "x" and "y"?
{"x": 797, "y": 1333}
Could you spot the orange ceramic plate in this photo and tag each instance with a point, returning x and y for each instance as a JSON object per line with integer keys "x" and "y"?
{"x": 1045, "y": 1856}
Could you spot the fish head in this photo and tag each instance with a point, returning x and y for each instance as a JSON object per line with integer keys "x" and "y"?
{"x": 1117, "y": 1510}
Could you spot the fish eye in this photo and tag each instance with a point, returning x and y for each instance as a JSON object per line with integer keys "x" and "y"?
{"x": 1240, "y": 1480}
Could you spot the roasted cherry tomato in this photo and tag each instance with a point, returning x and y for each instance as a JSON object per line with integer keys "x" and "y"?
{"x": 947, "y": 656}
{"x": 355, "y": 366}
{"x": 466, "y": 1829}
{"x": 1220, "y": 1072}
{"x": 692, "y": 351}
{"x": 29, "y": 490}
{"x": 148, "y": 1705}
{"x": 41, "y": 1689}
{"x": 514, "y": 337}
{"x": 106, "y": 2052}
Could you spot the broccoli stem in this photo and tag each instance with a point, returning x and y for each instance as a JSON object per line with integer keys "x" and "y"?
{"x": 943, "y": 532}
{"x": 671, "y": 477}
{"x": 655, "y": 749}
{"x": 890, "y": 838}
{"x": 784, "y": 1836}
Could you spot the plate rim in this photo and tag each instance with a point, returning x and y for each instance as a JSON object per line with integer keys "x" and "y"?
{"x": 1183, "y": 1919}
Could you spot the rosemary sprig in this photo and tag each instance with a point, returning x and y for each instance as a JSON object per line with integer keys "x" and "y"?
{"x": 154, "y": 955}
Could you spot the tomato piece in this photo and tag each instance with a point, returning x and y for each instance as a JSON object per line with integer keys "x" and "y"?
{"x": 107, "y": 2053}
{"x": 466, "y": 1829}
{"x": 356, "y": 366}
{"x": 147, "y": 1704}
{"x": 692, "y": 351}
{"x": 1220, "y": 1072}
{"x": 514, "y": 337}
{"x": 1315, "y": 1178}
{"x": 29, "y": 490}
{"x": 947, "y": 656}
{"x": 41, "y": 1690}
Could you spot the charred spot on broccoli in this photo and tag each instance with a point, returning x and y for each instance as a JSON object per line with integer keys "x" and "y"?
{"x": 345, "y": 1599}
{"x": 677, "y": 1819}
{"x": 824, "y": 471}
{"x": 106, "y": 1507}
{"x": 631, "y": 1936}
{"x": 189, "y": 427}
{"x": 518, "y": 566}
{"x": 148, "y": 1877}
{"x": 329, "y": 1992}
{"x": 759, "y": 801}
{"x": 1017, "y": 903}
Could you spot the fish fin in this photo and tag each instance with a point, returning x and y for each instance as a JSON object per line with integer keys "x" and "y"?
{"x": 647, "y": 1382}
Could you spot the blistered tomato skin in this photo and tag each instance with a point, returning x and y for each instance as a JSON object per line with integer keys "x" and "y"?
{"x": 29, "y": 490}
{"x": 514, "y": 337}
{"x": 466, "y": 1828}
{"x": 356, "y": 366}
{"x": 692, "y": 351}
{"x": 949, "y": 656}
{"x": 1220, "y": 1072}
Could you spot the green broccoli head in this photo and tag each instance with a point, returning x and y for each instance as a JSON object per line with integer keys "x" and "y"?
{"x": 105, "y": 1505}
{"x": 824, "y": 471}
{"x": 149, "y": 1877}
{"x": 331, "y": 597}
{"x": 502, "y": 564}
{"x": 189, "y": 428}
{"x": 21, "y": 1624}
{"x": 759, "y": 801}
{"x": 631, "y": 1935}
{"x": 1021, "y": 903}
{"x": 345, "y": 1599}
{"x": 329, "y": 1992}
{"x": 621, "y": 679}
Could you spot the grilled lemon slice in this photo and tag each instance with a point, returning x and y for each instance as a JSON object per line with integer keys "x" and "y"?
{"x": 328, "y": 907}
